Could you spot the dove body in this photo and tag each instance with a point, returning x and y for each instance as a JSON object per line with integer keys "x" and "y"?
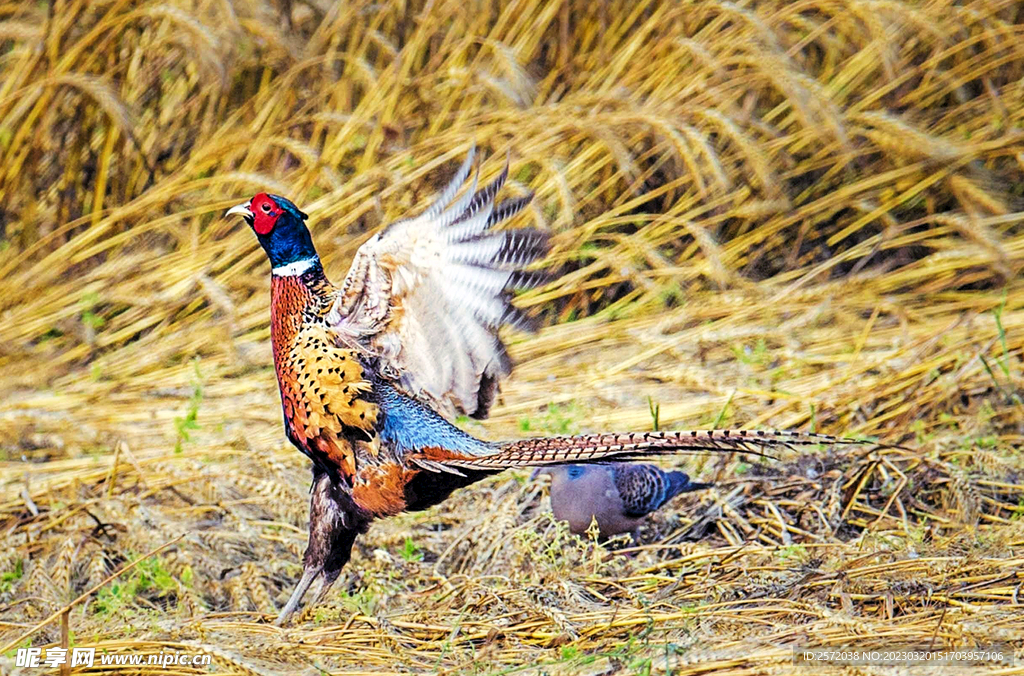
{"x": 616, "y": 496}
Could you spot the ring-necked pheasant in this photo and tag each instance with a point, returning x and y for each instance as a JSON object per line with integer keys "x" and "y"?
{"x": 616, "y": 495}
{"x": 370, "y": 371}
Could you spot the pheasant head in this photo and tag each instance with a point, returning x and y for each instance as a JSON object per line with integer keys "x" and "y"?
{"x": 280, "y": 227}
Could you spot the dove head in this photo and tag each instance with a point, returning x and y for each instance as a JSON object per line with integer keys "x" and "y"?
{"x": 561, "y": 472}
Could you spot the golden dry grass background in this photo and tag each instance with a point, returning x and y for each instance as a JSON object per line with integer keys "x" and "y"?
{"x": 791, "y": 214}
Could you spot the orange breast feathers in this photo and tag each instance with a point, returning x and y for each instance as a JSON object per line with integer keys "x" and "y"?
{"x": 323, "y": 393}
{"x": 380, "y": 489}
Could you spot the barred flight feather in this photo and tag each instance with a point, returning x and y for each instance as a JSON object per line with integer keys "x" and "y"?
{"x": 452, "y": 188}
{"x": 485, "y": 197}
{"x": 468, "y": 228}
{"x": 457, "y": 210}
{"x": 508, "y": 209}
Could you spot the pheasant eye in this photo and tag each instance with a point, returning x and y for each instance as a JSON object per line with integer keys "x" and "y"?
{"x": 265, "y": 207}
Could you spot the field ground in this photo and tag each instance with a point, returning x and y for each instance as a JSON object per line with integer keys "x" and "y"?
{"x": 793, "y": 215}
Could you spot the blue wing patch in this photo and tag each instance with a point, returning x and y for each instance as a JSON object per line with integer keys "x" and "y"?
{"x": 410, "y": 426}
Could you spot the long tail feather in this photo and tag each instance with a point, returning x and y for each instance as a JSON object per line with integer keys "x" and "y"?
{"x": 592, "y": 448}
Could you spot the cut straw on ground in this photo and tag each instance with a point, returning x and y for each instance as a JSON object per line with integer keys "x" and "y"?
{"x": 764, "y": 214}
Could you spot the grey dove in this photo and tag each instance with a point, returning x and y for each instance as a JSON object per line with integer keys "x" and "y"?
{"x": 617, "y": 495}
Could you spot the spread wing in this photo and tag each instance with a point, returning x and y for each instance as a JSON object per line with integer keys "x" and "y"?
{"x": 427, "y": 295}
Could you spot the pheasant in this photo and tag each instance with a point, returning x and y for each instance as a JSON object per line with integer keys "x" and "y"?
{"x": 371, "y": 372}
{"x": 617, "y": 496}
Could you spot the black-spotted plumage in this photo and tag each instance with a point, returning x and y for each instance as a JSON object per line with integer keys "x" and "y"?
{"x": 645, "y": 488}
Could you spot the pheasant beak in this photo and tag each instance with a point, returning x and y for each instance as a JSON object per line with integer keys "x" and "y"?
{"x": 242, "y": 210}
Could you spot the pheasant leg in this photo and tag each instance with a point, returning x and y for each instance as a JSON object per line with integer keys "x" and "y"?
{"x": 331, "y": 535}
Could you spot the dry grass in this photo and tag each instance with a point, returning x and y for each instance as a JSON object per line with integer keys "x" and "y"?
{"x": 795, "y": 214}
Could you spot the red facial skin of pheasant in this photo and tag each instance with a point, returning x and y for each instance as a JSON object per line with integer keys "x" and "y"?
{"x": 372, "y": 371}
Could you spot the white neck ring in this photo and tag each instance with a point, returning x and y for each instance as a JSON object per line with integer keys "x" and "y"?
{"x": 296, "y": 268}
